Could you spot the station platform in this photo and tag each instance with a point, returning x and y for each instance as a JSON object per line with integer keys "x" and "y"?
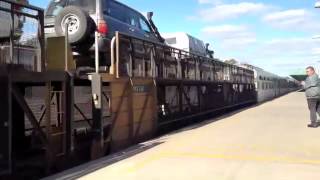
{"x": 268, "y": 141}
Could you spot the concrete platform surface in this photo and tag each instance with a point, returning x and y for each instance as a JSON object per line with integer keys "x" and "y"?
{"x": 269, "y": 141}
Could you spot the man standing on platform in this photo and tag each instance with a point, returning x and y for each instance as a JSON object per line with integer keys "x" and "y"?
{"x": 312, "y": 88}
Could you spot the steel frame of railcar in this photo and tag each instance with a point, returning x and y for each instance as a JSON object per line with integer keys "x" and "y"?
{"x": 140, "y": 78}
{"x": 216, "y": 85}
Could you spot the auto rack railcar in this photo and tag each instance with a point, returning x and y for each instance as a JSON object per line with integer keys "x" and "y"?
{"x": 47, "y": 123}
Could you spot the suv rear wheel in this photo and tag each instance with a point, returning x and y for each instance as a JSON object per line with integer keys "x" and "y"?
{"x": 80, "y": 25}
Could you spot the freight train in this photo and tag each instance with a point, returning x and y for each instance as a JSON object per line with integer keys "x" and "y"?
{"x": 268, "y": 85}
{"x": 54, "y": 117}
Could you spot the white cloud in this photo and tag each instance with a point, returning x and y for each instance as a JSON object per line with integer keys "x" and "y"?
{"x": 289, "y": 47}
{"x": 285, "y": 55}
{"x": 316, "y": 51}
{"x": 215, "y": 2}
{"x": 279, "y": 55}
{"x": 229, "y": 11}
{"x": 293, "y": 20}
{"x": 225, "y": 31}
{"x": 285, "y": 15}
{"x": 230, "y": 36}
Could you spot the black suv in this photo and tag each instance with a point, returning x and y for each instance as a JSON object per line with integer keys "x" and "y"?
{"x": 82, "y": 20}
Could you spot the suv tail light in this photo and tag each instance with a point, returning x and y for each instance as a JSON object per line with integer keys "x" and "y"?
{"x": 102, "y": 27}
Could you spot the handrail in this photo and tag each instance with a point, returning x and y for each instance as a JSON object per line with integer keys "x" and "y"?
{"x": 111, "y": 70}
{"x": 117, "y": 54}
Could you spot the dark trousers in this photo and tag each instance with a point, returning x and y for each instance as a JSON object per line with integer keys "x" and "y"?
{"x": 314, "y": 107}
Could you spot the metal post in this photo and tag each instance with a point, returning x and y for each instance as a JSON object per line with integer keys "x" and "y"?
{"x": 68, "y": 89}
{"x": 11, "y": 34}
{"x": 97, "y": 111}
{"x": 153, "y": 64}
{"x": 117, "y": 54}
{"x": 49, "y": 154}
{"x": 111, "y": 70}
{"x": 5, "y": 123}
{"x": 130, "y": 66}
{"x": 66, "y": 32}
{"x": 97, "y": 37}
{"x": 97, "y": 106}
{"x": 42, "y": 65}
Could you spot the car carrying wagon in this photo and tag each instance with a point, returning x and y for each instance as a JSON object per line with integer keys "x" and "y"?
{"x": 66, "y": 109}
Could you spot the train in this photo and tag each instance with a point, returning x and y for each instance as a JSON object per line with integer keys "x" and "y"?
{"x": 269, "y": 86}
{"x": 54, "y": 117}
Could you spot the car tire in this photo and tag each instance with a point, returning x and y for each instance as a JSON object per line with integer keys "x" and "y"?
{"x": 81, "y": 24}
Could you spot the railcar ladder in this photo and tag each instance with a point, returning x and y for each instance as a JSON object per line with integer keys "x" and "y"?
{"x": 59, "y": 117}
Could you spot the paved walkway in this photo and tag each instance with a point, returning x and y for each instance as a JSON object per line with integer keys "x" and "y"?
{"x": 270, "y": 141}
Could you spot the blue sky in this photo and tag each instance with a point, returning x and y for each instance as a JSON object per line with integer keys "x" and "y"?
{"x": 272, "y": 34}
